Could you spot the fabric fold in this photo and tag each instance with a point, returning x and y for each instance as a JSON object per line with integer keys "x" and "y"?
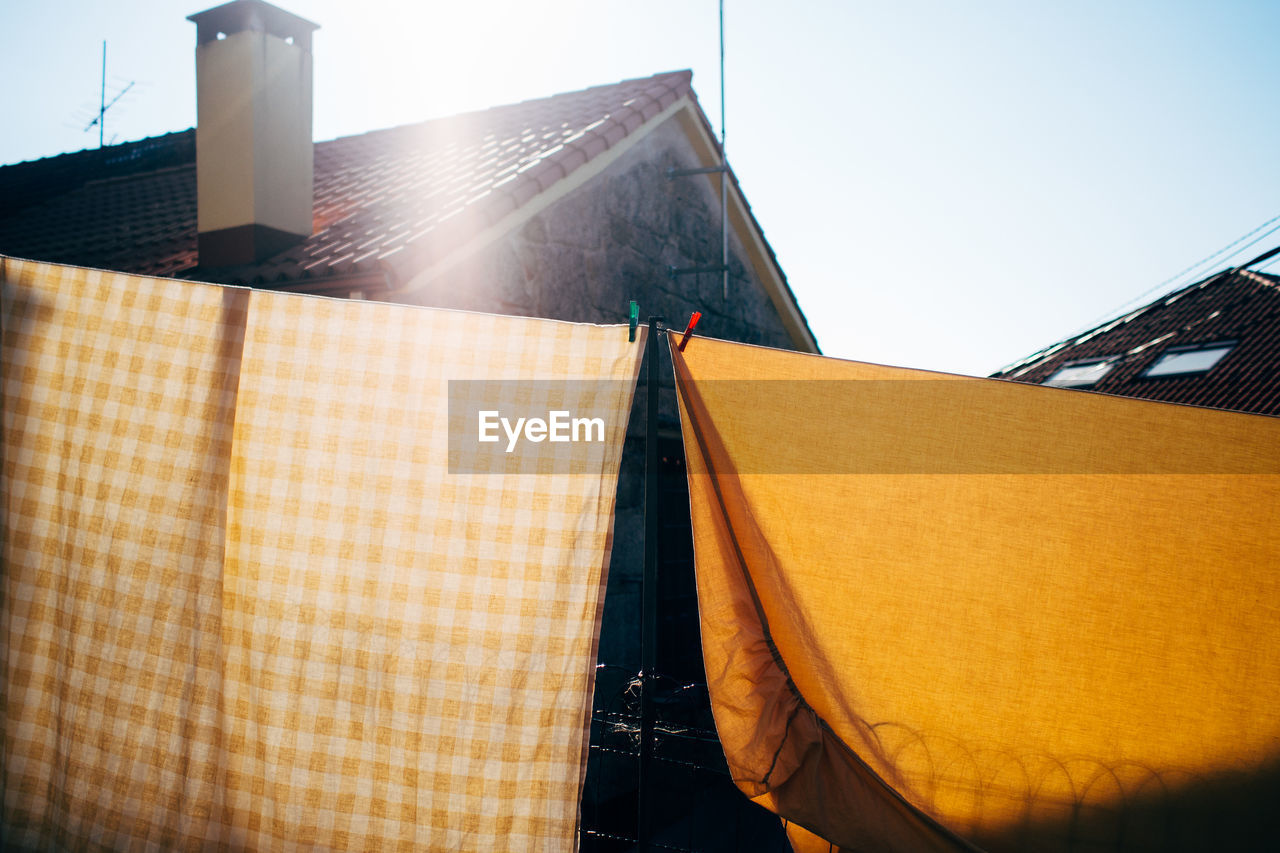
{"x": 780, "y": 752}
{"x": 940, "y": 612}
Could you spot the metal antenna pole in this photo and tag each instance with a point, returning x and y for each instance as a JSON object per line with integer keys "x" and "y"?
{"x": 649, "y": 588}
{"x": 102, "y": 103}
{"x": 724, "y": 176}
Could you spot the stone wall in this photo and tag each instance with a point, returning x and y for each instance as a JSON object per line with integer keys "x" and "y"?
{"x": 582, "y": 259}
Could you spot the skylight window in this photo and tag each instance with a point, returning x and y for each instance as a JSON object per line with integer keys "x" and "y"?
{"x": 1185, "y": 361}
{"x": 1080, "y": 374}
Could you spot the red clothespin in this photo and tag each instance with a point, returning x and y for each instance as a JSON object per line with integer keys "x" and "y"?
{"x": 688, "y": 330}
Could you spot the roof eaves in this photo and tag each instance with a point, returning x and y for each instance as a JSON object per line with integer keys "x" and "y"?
{"x": 786, "y": 300}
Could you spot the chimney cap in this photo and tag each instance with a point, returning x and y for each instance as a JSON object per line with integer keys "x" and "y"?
{"x": 240, "y": 15}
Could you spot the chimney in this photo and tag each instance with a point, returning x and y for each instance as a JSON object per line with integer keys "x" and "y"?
{"x": 253, "y": 131}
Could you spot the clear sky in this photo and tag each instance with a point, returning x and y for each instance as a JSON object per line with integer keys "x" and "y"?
{"x": 946, "y": 185}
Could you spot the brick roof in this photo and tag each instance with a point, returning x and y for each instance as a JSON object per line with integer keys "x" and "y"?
{"x": 384, "y": 201}
{"x": 1237, "y": 305}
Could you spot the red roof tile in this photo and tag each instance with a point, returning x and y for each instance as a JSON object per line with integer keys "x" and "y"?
{"x": 388, "y": 199}
{"x": 1236, "y": 306}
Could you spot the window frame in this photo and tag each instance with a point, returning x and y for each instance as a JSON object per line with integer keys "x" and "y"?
{"x": 1109, "y": 360}
{"x": 1228, "y": 347}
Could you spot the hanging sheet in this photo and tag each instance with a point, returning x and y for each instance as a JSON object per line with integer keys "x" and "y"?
{"x": 254, "y": 598}
{"x": 940, "y": 612}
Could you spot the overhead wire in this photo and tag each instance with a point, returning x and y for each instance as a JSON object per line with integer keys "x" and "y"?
{"x": 1234, "y": 243}
{"x": 1117, "y": 315}
{"x": 1268, "y": 265}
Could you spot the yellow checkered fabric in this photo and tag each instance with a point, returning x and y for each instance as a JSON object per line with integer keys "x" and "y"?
{"x": 246, "y": 605}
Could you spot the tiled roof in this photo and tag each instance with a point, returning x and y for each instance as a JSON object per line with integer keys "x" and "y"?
{"x": 126, "y": 207}
{"x": 1235, "y": 306}
{"x": 24, "y": 185}
{"x": 385, "y": 201}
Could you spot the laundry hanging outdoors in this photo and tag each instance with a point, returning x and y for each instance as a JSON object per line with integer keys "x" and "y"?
{"x": 255, "y": 598}
{"x": 941, "y": 613}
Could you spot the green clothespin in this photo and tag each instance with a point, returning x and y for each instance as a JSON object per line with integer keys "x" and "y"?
{"x": 635, "y": 321}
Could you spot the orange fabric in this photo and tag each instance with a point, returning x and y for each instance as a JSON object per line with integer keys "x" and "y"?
{"x": 942, "y": 612}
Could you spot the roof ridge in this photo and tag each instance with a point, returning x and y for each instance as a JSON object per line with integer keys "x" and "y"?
{"x": 101, "y": 151}
{"x": 686, "y": 73}
{"x": 1221, "y": 277}
{"x": 1263, "y": 278}
{"x": 1030, "y": 361}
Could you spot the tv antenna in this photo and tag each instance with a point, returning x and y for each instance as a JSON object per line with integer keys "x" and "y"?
{"x": 103, "y": 106}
